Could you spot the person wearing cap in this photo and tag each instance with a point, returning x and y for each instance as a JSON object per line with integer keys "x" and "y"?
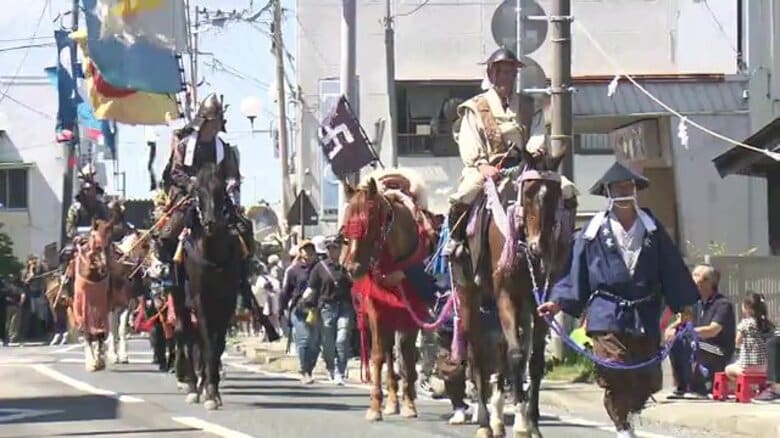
{"x": 320, "y": 246}
{"x": 622, "y": 270}
{"x": 489, "y": 133}
{"x": 305, "y": 333}
{"x": 330, "y": 288}
{"x": 88, "y": 205}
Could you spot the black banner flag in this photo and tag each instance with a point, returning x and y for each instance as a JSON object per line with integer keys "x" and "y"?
{"x": 344, "y": 142}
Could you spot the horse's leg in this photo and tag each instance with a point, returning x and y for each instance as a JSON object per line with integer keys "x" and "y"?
{"x": 207, "y": 329}
{"x": 184, "y": 332}
{"x": 124, "y": 315}
{"x": 478, "y": 353}
{"x": 392, "y": 407}
{"x": 497, "y": 395}
{"x": 113, "y": 334}
{"x": 409, "y": 361}
{"x": 537, "y": 372}
{"x": 90, "y": 355}
{"x": 516, "y": 325}
{"x": 374, "y": 412}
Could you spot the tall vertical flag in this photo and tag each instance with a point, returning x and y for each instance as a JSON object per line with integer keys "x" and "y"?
{"x": 160, "y": 22}
{"x": 343, "y": 141}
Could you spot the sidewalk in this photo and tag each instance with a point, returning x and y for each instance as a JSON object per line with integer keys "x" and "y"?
{"x": 748, "y": 420}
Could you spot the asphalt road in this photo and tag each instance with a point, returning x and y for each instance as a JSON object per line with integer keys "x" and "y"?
{"x": 45, "y": 392}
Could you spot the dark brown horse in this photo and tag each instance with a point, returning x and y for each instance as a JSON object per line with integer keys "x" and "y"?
{"x": 383, "y": 236}
{"x": 213, "y": 268}
{"x": 537, "y": 223}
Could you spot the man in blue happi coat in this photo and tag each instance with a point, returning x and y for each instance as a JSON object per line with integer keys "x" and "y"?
{"x": 623, "y": 269}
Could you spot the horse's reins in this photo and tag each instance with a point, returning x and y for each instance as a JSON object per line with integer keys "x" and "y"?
{"x": 156, "y": 225}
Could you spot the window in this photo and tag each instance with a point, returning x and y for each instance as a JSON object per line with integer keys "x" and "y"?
{"x": 593, "y": 144}
{"x": 426, "y": 114}
{"x": 13, "y": 188}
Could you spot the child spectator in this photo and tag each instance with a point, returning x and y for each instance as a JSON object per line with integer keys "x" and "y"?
{"x": 753, "y": 333}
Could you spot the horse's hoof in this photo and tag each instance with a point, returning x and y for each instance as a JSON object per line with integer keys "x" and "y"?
{"x": 181, "y": 386}
{"x": 391, "y": 409}
{"x": 192, "y": 398}
{"x": 521, "y": 432}
{"x": 458, "y": 417}
{"x": 499, "y": 430}
{"x": 123, "y": 360}
{"x": 409, "y": 411}
{"x": 211, "y": 405}
{"x": 484, "y": 432}
{"x": 372, "y": 415}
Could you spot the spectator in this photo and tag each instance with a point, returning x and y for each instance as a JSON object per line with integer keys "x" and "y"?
{"x": 331, "y": 287}
{"x": 266, "y": 290}
{"x": 275, "y": 268}
{"x": 305, "y": 333}
{"x": 753, "y": 333}
{"x": 715, "y": 326}
{"x": 4, "y": 298}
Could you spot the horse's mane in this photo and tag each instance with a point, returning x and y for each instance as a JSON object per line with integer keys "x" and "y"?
{"x": 417, "y": 186}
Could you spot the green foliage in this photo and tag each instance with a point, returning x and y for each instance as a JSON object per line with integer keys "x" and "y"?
{"x": 714, "y": 249}
{"x": 9, "y": 264}
{"x": 573, "y": 368}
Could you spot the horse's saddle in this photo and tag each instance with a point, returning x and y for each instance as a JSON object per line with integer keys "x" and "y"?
{"x": 398, "y": 186}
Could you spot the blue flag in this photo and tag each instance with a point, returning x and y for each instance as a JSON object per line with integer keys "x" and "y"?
{"x": 140, "y": 66}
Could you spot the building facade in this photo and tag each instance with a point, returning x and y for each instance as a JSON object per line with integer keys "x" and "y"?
{"x": 682, "y": 50}
{"x": 31, "y": 165}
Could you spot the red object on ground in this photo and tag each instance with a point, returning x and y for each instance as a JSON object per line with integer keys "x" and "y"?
{"x": 720, "y": 387}
{"x": 745, "y": 391}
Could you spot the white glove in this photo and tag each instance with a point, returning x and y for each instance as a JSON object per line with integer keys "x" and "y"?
{"x": 307, "y": 293}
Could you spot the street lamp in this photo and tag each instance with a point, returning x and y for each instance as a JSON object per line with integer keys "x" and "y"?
{"x": 251, "y": 109}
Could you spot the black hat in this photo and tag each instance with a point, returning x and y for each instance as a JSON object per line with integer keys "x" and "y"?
{"x": 502, "y": 54}
{"x": 617, "y": 173}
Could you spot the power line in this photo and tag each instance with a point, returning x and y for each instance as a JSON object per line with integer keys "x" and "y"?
{"x": 26, "y": 46}
{"x": 417, "y": 8}
{"x": 27, "y": 107}
{"x": 27, "y": 52}
{"x": 720, "y": 26}
{"x": 16, "y": 40}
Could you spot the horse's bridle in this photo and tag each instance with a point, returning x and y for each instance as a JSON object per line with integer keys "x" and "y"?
{"x": 356, "y": 228}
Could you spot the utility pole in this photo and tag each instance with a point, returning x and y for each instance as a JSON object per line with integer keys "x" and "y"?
{"x": 390, "y": 72}
{"x": 347, "y": 77}
{"x": 561, "y": 132}
{"x": 67, "y": 181}
{"x": 194, "y": 61}
{"x": 280, "y": 102}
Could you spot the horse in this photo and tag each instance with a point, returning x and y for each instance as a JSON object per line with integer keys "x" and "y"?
{"x": 90, "y": 271}
{"x": 212, "y": 262}
{"x": 60, "y": 300}
{"x": 384, "y": 235}
{"x": 510, "y": 279}
{"x": 127, "y": 258}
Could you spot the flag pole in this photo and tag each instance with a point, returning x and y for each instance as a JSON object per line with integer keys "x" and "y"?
{"x": 67, "y": 180}
{"x": 365, "y": 136}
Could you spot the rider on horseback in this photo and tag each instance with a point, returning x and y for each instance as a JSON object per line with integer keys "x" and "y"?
{"x": 488, "y": 134}
{"x": 194, "y": 146}
{"x": 88, "y": 205}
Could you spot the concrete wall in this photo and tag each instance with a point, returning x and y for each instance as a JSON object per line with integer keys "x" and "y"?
{"x": 29, "y": 138}
{"x": 730, "y": 211}
{"x": 763, "y": 61}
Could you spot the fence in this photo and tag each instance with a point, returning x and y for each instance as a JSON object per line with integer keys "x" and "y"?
{"x": 741, "y": 274}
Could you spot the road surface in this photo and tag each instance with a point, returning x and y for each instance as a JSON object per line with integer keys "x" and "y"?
{"x": 46, "y": 392}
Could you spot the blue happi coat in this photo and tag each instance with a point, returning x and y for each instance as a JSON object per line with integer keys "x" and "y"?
{"x": 599, "y": 283}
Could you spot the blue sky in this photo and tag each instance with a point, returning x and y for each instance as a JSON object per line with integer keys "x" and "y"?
{"x": 238, "y": 47}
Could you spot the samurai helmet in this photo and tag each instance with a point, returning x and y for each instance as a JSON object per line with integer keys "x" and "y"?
{"x": 502, "y": 54}
{"x": 210, "y": 108}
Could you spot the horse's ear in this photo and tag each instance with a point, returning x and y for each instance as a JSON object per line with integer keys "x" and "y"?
{"x": 94, "y": 224}
{"x": 372, "y": 187}
{"x": 349, "y": 190}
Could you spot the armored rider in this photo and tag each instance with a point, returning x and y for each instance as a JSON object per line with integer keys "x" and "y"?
{"x": 88, "y": 205}
{"x": 194, "y": 146}
{"x": 489, "y": 133}
{"x": 623, "y": 269}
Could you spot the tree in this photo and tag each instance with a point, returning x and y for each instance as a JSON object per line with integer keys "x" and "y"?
{"x": 9, "y": 264}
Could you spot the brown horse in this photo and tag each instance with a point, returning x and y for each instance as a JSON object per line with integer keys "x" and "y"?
{"x": 90, "y": 271}
{"x": 540, "y": 224}
{"x": 60, "y": 300}
{"x": 384, "y": 236}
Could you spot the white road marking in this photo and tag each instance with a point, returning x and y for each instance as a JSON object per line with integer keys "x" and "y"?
{"x": 83, "y": 386}
{"x": 12, "y": 414}
{"x": 509, "y": 410}
{"x": 66, "y": 349}
{"x": 79, "y": 360}
{"x": 210, "y": 427}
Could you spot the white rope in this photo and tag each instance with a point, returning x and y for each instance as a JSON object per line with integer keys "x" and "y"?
{"x": 611, "y": 60}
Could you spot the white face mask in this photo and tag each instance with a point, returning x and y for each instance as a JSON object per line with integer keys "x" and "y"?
{"x": 619, "y": 201}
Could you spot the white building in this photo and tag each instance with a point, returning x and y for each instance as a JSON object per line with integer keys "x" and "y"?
{"x": 682, "y": 50}
{"x": 31, "y": 165}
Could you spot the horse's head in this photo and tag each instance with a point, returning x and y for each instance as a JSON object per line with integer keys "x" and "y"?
{"x": 371, "y": 225}
{"x": 94, "y": 251}
{"x": 210, "y": 200}
{"x": 539, "y": 198}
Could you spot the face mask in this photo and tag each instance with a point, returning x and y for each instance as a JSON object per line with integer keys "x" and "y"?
{"x": 614, "y": 200}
